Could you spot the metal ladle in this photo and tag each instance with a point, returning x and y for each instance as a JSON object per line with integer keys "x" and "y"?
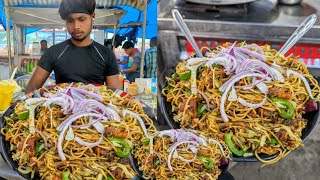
{"x": 185, "y": 30}
{"x": 298, "y": 33}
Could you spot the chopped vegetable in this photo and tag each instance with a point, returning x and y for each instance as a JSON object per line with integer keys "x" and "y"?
{"x": 110, "y": 178}
{"x": 23, "y": 116}
{"x": 233, "y": 149}
{"x": 124, "y": 150}
{"x": 156, "y": 162}
{"x": 272, "y": 142}
{"x": 147, "y": 142}
{"x": 286, "y": 108}
{"x": 39, "y": 148}
{"x": 215, "y": 65}
{"x": 201, "y": 109}
{"x": 207, "y": 162}
{"x": 65, "y": 175}
{"x": 185, "y": 75}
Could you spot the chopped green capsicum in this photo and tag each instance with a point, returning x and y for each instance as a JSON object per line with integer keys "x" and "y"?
{"x": 122, "y": 147}
{"x": 186, "y": 75}
{"x": 156, "y": 162}
{"x": 146, "y": 142}
{"x": 39, "y": 148}
{"x": 65, "y": 175}
{"x": 233, "y": 149}
{"x": 110, "y": 178}
{"x": 23, "y": 115}
{"x": 207, "y": 162}
{"x": 215, "y": 65}
{"x": 272, "y": 142}
{"x": 286, "y": 108}
{"x": 201, "y": 109}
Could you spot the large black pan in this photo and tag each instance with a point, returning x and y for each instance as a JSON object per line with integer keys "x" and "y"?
{"x": 312, "y": 117}
{"x": 7, "y": 154}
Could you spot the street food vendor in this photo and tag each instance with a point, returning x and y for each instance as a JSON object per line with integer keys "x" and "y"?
{"x": 133, "y": 61}
{"x": 78, "y": 59}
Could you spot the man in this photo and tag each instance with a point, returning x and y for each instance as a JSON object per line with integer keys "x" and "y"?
{"x": 44, "y": 46}
{"x": 78, "y": 59}
{"x": 133, "y": 61}
{"x": 151, "y": 59}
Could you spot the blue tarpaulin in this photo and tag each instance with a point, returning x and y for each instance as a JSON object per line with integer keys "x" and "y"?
{"x": 132, "y": 15}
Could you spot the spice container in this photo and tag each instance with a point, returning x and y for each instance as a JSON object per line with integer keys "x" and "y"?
{"x": 133, "y": 89}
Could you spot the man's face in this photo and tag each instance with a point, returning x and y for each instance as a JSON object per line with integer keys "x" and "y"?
{"x": 44, "y": 46}
{"x": 128, "y": 51}
{"x": 79, "y": 25}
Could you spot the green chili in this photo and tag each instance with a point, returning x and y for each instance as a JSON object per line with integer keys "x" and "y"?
{"x": 122, "y": 151}
{"x": 286, "y": 108}
{"x": 110, "y": 178}
{"x": 207, "y": 162}
{"x": 65, "y": 175}
{"x": 23, "y": 116}
{"x": 185, "y": 75}
{"x": 272, "y": 142}
{"x": 233, "y": 149}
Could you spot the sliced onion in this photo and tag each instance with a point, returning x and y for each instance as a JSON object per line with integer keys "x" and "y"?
{"x": 303, "y": 79}
{"x": 233, "y": 94}
{"x": 252, "y": 53}
{"x": 70, "y": 134}
{"x": 220, "y": 146}
{"x": 143, "y": 126}
{"x": 188, "y": 160}
{"x": 228, "y": 85}
{"x": 174, "y": 147}
{"x": 69, "y": 121}
{"x": 263, "y": 87}
{"x": 253, "y": 45}
{"x": 42, "y": 136}
{"x": 195, "y": 61}
{"x": 87, "y": 144}
{"x": 279, "y": 76}
{"x": 99, "y": 127}
{"x": 85, "y": 92}
{"x": 175, "y": 154}
{"x": 205, "y": 98}
{"x": 94, "y": 88}
{"x": 250, "y": 105}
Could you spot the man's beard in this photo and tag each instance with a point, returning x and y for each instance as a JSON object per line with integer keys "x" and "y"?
{"x": 80, "y": 39}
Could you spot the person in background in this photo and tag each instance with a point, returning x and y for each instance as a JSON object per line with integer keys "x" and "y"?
{"x": 43, "y": 46}
{"x": 151, "y": 59}
{"x": 78, "y": 59}
{"x": 133, "y": 61}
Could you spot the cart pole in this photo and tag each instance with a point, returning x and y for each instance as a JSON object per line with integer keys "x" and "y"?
{"x": 11, "y": 63}
{"x": 143, "y": 37}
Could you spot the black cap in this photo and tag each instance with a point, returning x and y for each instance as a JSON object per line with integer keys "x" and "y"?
{"x": 127, "y": 45}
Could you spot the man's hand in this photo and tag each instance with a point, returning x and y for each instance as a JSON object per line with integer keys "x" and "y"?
{"x": 113, "y": 81}
{"x": 38, "y": 78}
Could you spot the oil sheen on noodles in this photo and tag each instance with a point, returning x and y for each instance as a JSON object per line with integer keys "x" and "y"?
{"x": 77, "y": 132}
{"x": 247, "y": 95}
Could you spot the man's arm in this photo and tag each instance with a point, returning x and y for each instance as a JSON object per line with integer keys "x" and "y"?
{"x": 124, "y": 61}
{"x": 38, "y": 78}
{"x": 132, "y": 69}
{"x": 113, "y": 81}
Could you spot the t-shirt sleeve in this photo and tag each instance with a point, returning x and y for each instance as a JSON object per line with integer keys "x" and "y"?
{"x": 137, "y": 59}
{"x": 46, "y": 61}
{"x": 112, "y": 65}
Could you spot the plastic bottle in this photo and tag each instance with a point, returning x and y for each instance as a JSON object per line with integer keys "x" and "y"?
{"x": 154, "y": 86}
{"x": 125, "y": 85}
